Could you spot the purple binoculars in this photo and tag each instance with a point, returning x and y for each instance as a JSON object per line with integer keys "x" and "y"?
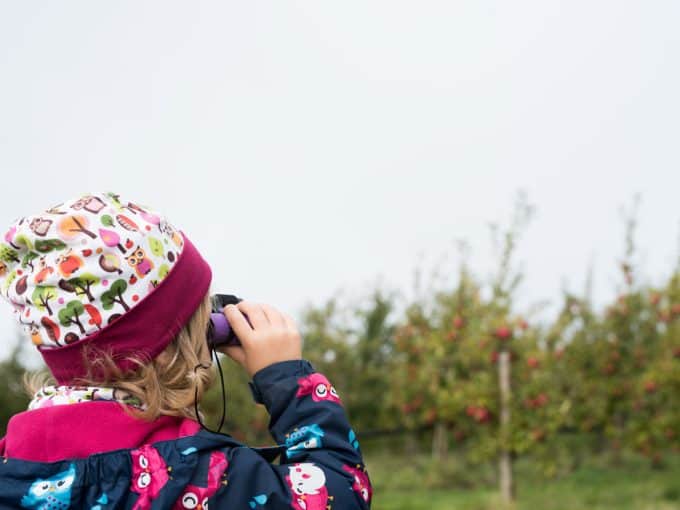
{"x": 219, "y": 330}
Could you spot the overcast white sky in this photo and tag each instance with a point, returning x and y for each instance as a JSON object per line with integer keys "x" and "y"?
{"x": 310, "y": 146}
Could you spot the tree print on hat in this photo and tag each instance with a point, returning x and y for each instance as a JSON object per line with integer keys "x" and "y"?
{"x": 73, "y": 269}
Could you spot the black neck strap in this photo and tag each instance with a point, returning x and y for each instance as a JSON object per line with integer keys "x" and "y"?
{"x": 215, "y": 356}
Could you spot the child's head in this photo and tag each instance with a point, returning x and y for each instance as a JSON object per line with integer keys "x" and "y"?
{"x": 112, "y": 294}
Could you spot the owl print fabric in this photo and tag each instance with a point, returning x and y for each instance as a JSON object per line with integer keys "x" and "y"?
{"x": 53, "y": 493}
{"x": 52, "y": 395}
{"x": 320, "y": 466}
{"x": 73, "y": 269}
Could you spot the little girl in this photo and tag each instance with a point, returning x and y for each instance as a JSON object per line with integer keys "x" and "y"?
{"x": 117, "y": 302}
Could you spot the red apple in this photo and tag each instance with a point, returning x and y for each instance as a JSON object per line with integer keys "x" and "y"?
{"x": 482, "y": 415}
{"x": 503, "y": 333}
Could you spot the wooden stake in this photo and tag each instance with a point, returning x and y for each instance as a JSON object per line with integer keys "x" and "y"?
{"x": 505, "y": 459}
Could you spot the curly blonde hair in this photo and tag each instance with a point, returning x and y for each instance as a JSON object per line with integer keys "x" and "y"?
{"x": 170, "y": 384}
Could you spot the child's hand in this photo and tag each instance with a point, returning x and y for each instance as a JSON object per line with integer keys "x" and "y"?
{"x": 273, "y": 336}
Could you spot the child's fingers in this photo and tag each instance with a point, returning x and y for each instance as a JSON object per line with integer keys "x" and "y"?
{"x": 235, "y": 352}
{"x": 238, "y": 323}
{"x": 266, "y": 342}
{"x": 290, "y": 323}
{"x": 255, "y": 314}
{"x": 273, "y": 315}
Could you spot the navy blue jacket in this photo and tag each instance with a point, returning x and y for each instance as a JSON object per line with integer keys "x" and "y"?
{"x": 320, "y": 467}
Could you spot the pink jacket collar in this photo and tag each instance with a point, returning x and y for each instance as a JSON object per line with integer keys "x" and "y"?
{"x": 80, "y": 430}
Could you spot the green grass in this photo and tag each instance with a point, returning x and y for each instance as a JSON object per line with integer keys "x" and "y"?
{"x": 633, "y": 486}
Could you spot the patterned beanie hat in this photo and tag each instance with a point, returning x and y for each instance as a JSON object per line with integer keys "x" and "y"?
{"x": 100, "y": 272}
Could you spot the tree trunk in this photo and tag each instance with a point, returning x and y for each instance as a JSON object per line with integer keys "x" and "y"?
{"x": 440, "y": 442}
{"x": 505, "y": 459}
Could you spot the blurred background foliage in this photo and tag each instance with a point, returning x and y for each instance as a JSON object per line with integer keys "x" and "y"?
{"x": 591, "y": 386}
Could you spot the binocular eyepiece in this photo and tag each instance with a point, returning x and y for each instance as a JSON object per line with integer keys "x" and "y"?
{"x": 219, "y": 329}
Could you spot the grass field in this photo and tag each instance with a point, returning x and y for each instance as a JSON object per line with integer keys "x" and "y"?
{"x": 633, "y": 486}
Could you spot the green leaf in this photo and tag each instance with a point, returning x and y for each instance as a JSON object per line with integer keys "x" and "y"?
{"x": 23, "y": 239}
{"x": 8, "y": 254}
{"x": 31, "y": 255}
{"x": 48, "y": 245}
{"x": 156, "y": 247}
{"x": 163, "y": 271}
{"x": 9, "y": 279}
